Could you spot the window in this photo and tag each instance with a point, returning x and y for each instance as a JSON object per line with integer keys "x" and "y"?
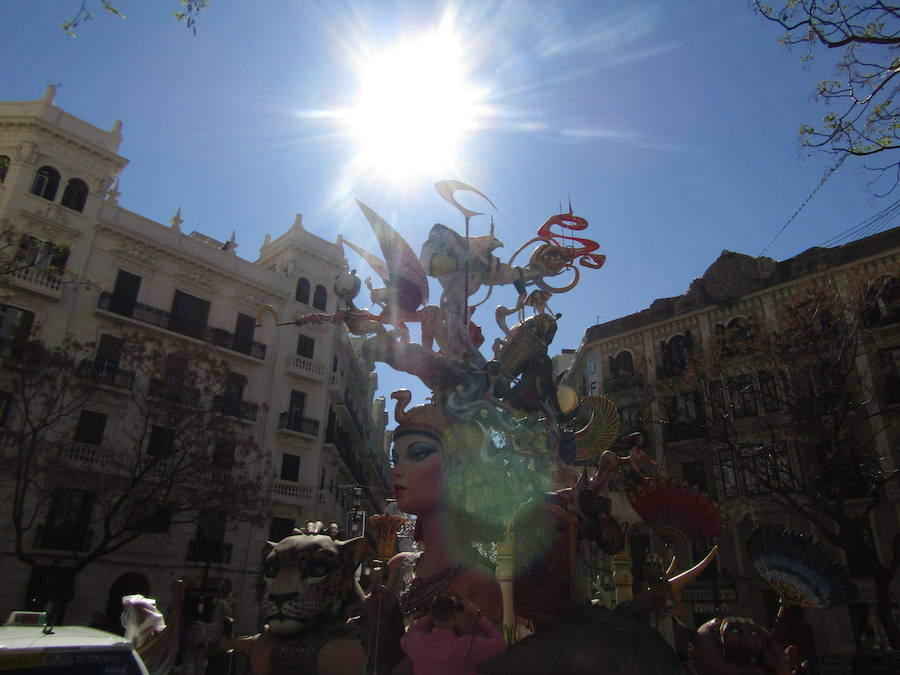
{"x": 75, "y": 195}
{"x": 15, "y": 329}
{"x": 290, "y": 467}
{"x": 882, "y": 302}
{"x": 234, "y": 387}
{"x": 679, "y": 351}
{"x": 298, "y": 403}
{"x": 46, "y": 183}
{"x": 306, "y": 346}
{"x": 632, "y": 419}
{"x": 684, "y": 417}
{"x": 150, "y": 517}
{"x": 717, "y": 400}
{"x": 90, "y": 427}
{"x": 109, "y": 351}
{"x": 890, "y": 375}
{"x": 209, "y": 543}
{"x": 68, "y": 520}
{"x": 621, "y": 364}
{"x": 675, "y": 355}
{"x": 162, "y": 442}
{"x": 302, "y": 294}
{"x": 211, "y": 525}
{"x": 223, "y": 455}
{"x": 43, "y": 255}
{"x": 4, "y": 167}
{"x": 243, "y": 333}
{"x": 279, "y": 528}
{"x": 735, "y": 337}
{"x": 320, "y": 298}
{"x": 5, "y": 405}
{"x": 125, "y": 293}
{"x": 751, "y": 470}
{"x": 695, "y": 474}
{"x": 188, "y": 315}
{"x": 743, "y": 396}
{"x": 768, "y": 392}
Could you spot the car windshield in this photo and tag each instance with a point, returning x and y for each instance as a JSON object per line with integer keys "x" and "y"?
{"x": 74, "y": 662}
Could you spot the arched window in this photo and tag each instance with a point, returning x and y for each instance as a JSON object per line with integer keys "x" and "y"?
{"x": 4, "y": 167}
{"x": 676, "y": 353}
{"x": 75, "y": 194}
{"x": 320, "y": 298}
{"x": 882, "y": 304}
{"x": 46, "y": 182}
{"x": 623, "y": 363}
{"x": 302, "y": 291}
{"x": 735, "y": 337}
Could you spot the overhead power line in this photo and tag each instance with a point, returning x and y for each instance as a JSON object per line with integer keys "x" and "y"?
{"x": 806, "y": 201}
{"x": 871, "y": 225}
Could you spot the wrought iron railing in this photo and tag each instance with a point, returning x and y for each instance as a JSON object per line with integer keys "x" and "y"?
{"x": 163, "y": 319}
{"x": 296, "y": 422}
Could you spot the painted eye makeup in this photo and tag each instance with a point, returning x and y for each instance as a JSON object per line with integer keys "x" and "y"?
{"x": 420, "y": 450}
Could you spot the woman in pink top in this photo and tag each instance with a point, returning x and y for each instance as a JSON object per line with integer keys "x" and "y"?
{"x": 435, "y": 645}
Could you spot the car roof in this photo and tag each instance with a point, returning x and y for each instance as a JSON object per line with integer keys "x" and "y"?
{"x": 33, "y": 637}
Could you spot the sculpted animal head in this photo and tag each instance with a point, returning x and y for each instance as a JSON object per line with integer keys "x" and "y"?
{"x": 743, "y": 640}
{"x": 311, "y": 582}
{"x": 736, "y": 644}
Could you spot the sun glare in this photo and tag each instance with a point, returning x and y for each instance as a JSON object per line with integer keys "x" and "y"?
{"x": 414, "y": 107}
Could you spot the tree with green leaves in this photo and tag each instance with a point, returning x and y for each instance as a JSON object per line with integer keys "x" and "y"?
{"x": 863, "y": 117}
{"x": 795, "y": 409}
{"x": 187, "y": 13}
{"x": 99, "y": 452}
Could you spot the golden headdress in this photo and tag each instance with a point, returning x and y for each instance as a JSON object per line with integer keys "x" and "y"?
{"x": 457, "y": 438}
{"x": 484, "y": 486}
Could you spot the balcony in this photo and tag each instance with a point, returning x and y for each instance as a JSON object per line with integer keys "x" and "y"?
{"x": 359, "y": 424}
{"x": 223, "y": 338}
{"x": 291, "y": 421}
{"x": 173, "y": 389}
{"x": 668, "y": 372}
{"x": 621, "y": 382}
{"x": 162, "y": 319}
{"x": 37, "y": 280}
{"x": 301, "y": 495}
{"x": 217, "y": 552}
{"x": 304, "y": 367}
{"x": 63, "y": 538}
{"x": 244, "y": 410}
{"x": 682, "y": 431}
{"x": 344, "y": 446}
{"x": 94, "y": 456}
{"x": 108, "y": 373}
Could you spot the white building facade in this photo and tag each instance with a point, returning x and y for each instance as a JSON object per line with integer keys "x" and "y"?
{"x": 306, "y": 396}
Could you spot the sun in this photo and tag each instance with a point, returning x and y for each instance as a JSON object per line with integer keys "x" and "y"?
{"x": 414, "y": 107}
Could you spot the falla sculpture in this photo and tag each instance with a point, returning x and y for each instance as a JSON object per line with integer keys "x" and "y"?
{"x": 490, "y": 457}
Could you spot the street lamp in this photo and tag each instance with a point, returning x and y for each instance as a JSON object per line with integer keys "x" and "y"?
{"x": 356, "y": 517}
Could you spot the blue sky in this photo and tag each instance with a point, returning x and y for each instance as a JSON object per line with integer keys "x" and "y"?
{"x": 672, "y": 126}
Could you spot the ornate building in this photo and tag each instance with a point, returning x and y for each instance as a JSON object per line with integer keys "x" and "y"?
{"x": 304, "y": 396}
{"x": 641, "y": 362}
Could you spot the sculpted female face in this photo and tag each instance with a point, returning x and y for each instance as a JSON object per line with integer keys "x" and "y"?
{"x": 418, "y": 473}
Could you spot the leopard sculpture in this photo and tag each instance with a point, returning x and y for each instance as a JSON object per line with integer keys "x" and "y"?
{"x": 312, "y": 582}
{"x": 311, "y": 593}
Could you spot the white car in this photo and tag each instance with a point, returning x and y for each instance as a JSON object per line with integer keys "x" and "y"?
{"x": 71, "y": 650}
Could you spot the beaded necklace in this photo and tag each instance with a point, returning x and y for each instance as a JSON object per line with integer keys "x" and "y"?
{"x": 416, "y": 598}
